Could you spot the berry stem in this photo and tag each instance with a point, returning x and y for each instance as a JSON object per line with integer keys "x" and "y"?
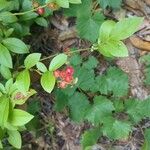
{"x": 26, "y": 12}
{"x": 79, "y": 50}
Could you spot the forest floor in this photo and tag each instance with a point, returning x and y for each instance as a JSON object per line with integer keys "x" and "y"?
{"x": 55, "y": 131}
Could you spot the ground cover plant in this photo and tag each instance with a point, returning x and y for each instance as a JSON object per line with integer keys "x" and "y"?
{"x": 99, "y": 99}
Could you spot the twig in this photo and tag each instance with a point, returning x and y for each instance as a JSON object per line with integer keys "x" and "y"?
{"x": 51, "y": 56}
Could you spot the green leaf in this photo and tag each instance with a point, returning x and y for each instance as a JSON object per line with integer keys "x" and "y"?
{"x": 23, "y": 81}
{"x": 88, "y": 25}
{"x": 85, "y": 78}
{"x": 5, "y": 57}
{"x": 77, "y": 10}
{"x": 63, "y": 3}
{"x": 14, "y": 138}
{"x": 146, "y": 144}
{"x": 5, "y": 72}
{"x": 125, "y": 28}
{"x": 145, "y": 107}
{"x": 145, "y": 59}
{"x": 19, "y": 117}
{"x": 2, "y": 88}
{"x": 4, "y": 4}
{"x": 61, "y": 100}
{"x": 1, "y": 146}
{"x": 31, "y": 60}
{"x": 34, "y": 106}
{"x": 133, "y": 110}
{"x": 9, "y": 32}
{"x": 9, "y": 84}
{"x": 116, "y": 129}
{"x": 137, "y": 110}
{"x": 111, "y": 3}
{"x": 41, "y": 21}
{"x": 48, "y": 81}
{"x": 90, "y": 137}
{"x": 91, "y": 63}
{"x": 57, "y": 62}
{"x": 7, "y": 17}
{"x": 119, "y": 105}
{"x": 16, "y": 45}
{"x": 28, "y": 16}
{"x": 115, "y": 81}
{"x": 4, "y": 110}
{"x": 75, "y": 1}
{"x": 79, "y": 105}
{"x": 26, "y": 5}
{"x": 113, "y": 48}
{"x": 40, "y": 66}
{"x": 105, "y": 30}
{"x": 101, "y": 108}
{"x": 75, "y": 60}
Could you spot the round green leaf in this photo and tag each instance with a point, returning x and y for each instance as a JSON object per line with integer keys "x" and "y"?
{"x": 15, "y": 45}
{"x": 5, "y": 57}
{"x": 48, "y": 81}
{"x": 31, "y": 60}
{"x": 57, "y": 62}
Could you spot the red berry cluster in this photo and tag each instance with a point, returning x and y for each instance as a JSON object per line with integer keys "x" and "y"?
{"x": 65, "y": 76}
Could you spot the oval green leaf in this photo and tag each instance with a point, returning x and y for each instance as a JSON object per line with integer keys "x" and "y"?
{"x": 5, "y": 57}
{"x": 40, "y": 66}
{"x": 16, "y": 45}
{"x": 5, "y": 72}
{"x": 48, "y": 81}
{"x": 23, "y": 81}
{"x": 31, "y": 60}
{"x": 19, "y": 117}
{"x": 4, "y": 110}
{"x": 14, "y": 138}
{"x": 57, "y": 62}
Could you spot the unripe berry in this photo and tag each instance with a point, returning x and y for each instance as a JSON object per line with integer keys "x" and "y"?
{"x": 35, "y": 4}
{"x": 57, "y": 73}
{"x": 63, "y": 74}
{"x": 63, "y": 84}
{"x": 69, "y": 70}
{"x": 53, "y": 6}
{"x": 40, "y": 11}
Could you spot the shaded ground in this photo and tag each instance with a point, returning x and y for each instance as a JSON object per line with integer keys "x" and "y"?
{"x": 56, "y": 131}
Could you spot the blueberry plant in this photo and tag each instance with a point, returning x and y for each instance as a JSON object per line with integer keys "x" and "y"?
{"x": 106, "y": 96}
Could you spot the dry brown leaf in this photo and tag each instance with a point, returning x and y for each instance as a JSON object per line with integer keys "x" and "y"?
{"x": 139, "y": 43}
{"x": 147, "y": 2}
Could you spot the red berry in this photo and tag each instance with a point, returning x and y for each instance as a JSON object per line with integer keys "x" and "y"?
{"x": 69, "y": 70}
{"x": 63, "y": 74}
{"x": 63, "y": 84}
{"x": 69, "y": 79}
{"x": 57, "y": 73}
{"x": 40, "y": 11}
